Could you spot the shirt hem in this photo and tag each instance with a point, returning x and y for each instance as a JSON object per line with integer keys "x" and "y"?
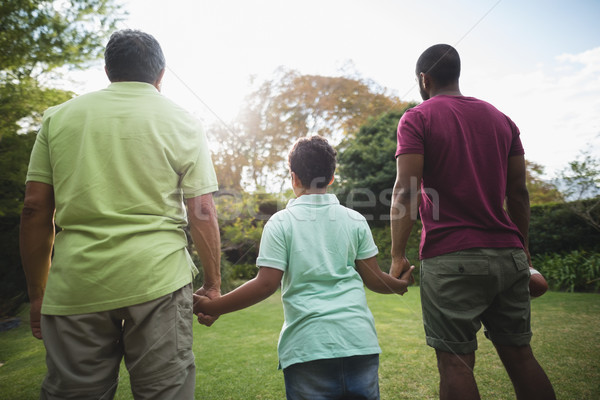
{"x": 347, "y": 353}
{"x": 200, "y": 192}
{"x": 48, "y": 309}
{"x": 366, "y": 255}
{"x": 496, "y": 245}
{"x": 39, "y": 178}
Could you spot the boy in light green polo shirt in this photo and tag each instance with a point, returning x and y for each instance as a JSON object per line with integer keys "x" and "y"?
{"x": 322, "y": 254}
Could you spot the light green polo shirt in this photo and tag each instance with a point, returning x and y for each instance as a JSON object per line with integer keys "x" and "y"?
{"x": 121, "y": 161}
{"x": 315, "y": 242}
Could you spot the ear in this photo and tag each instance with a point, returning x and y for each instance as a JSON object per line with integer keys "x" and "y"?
{"x": 331, "y": 181}
{"x": 295, "y": 180}
{"x": 159, "y": 79}
{"x": 424, "y": 80}
{"x": 106, "y": 72}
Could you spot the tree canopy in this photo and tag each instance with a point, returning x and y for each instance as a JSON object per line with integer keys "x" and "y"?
{"x": 289, "y": 106}
{"x": 37, "y": 37}
{"x": 367, "y": 166}
{"x": 540, "y": 190}
{"x": 581, "y": 181}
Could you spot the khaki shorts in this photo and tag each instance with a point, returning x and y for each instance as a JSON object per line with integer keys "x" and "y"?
{"x": 84, "y": 352}
{"x": 462, "y": 290}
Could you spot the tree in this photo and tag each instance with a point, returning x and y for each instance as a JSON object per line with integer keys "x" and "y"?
{"x": 367, "y": 166}
{"x": 540, "y": 190}
{"x": 290, "y": 106}
{"x": 580, "y": 186}
{"x": 36, "y": 37}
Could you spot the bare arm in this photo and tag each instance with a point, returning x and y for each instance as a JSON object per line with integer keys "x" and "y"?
{"x": 254, "y": 291}
{"x": 405, "y": 204}
{"x": 204, "y": 229}
{"x": 36, "y": 241}
{"x": 517, "y": 198}
{"x": 378, "y": 281}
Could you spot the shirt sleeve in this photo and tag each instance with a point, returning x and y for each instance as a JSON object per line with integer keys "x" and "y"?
{"x": 40, "y": 168}
{"x": 273, "y": 250}
{"x": 516, "y": 147}
{"x": 410, "y": 133}
{"x": 366, "y": 245}
{"x": 200, "y": 177}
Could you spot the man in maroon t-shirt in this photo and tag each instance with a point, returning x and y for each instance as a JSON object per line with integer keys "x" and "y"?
{"x": 460, "y": 160}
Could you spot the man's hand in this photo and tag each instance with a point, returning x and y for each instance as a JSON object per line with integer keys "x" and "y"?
{"x": 401, "y": 269}
{"x": 209, "y": 292}
{"x": 35, "y": 317}
{"x": 202, "y": 296}
{"x": 200, "y": 303}
{"x": 399, "y": 265}
{"x": 407, "y": 276}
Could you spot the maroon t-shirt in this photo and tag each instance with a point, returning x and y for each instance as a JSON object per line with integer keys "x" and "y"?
{"x": 466, "y": 143}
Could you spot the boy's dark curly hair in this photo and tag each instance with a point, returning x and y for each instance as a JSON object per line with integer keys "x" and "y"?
{"x": 312, "y": 159}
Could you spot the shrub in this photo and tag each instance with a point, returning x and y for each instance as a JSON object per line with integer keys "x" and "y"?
{"x": 383, "y": 239}
{"x": 555, "y": 228}
{"x": 228, "y": 282}
{"x": 243, "y": 272}
{"x": 577, "y": 271}
{"x": 13, "y": 288}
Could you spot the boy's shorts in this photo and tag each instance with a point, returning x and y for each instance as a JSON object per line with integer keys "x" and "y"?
{"x": 462, "y": 290}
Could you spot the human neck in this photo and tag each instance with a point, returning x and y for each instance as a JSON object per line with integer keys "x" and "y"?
{"x": 303, "y": 191}
{"x": 449, "y": 90}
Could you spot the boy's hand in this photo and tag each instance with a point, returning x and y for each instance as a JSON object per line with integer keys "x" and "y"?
{"x": 407, "y": 276}
{"x": 200, "y": 303}
{"x": 401, "y": 269}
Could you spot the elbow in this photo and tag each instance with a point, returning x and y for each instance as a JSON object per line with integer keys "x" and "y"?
{"x": 405, "y": 194}
{"x": 269, "y": 288}
{"x": 202, "y": 208}
{"x": 35, "y": 213}
{"x": 517, "y": 195}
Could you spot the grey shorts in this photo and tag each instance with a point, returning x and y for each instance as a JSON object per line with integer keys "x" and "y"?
{"x": 84, "y": 351}
{"x": 462, "y": 290}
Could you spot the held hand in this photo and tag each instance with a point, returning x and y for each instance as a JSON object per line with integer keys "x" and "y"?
{"x": 399, "y": 266}
{"x": 209, "y": 292}
{"x": 200, "y": 302}
{"x": 35, "y": 317}
{"x": 407, "y": 276}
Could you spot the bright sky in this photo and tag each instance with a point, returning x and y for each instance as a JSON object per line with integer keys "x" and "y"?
{"x": 538, "y": 61}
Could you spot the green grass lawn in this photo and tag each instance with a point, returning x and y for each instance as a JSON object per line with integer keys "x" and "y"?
{"x": 236, "y": 358}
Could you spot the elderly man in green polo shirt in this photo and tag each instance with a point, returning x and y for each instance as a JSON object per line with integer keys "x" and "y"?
{"x": 114, "y": 169}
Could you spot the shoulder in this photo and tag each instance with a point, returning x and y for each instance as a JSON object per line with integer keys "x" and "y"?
{"x": 493, "y": 110}
{"x": 278, "y": 219}
{"x": 350, "y": 216}
{"x": 79, "y": 101}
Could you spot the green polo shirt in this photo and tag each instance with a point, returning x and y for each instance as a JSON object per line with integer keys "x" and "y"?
{"x": 121, "y": 161}
{"x": 315, "y": 242}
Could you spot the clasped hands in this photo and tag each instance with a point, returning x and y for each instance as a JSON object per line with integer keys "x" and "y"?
{"x": 202, "y": 296}
{"x": 399, "y": 267}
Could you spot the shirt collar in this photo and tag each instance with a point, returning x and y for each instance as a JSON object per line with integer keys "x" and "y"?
{"x": 132, "y": 87}
{"x": 314, "y": 199}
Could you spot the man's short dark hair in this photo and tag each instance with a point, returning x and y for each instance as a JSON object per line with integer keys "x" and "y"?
{"x": 312, "y": 159}
{"x": 441, "y": 62}
{"x": 132, "y": 55}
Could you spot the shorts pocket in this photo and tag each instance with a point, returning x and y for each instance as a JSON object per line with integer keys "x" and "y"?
{"x": 184, "y": 327}
{"x": 462, "y": 266}
{"x": 458, "y": 283}
{"x": 520, "y": 259}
